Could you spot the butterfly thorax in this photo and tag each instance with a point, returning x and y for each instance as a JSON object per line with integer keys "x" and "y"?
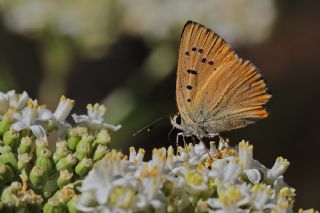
{"x": 200, "y": 130}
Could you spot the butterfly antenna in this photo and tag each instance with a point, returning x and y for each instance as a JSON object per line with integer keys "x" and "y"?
{"x": 151, "y": 125}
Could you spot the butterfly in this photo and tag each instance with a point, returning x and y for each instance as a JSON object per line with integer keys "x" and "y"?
{"x": 216, "y": 90}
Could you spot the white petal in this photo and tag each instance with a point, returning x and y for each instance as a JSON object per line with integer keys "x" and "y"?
{"x": 17, "y": 116}
{"x": 253, "y": 175}
{"x": 214, "y": 202}
{"x": 112, "y": 127}
{"x": 22, "y": 102}
{"x": 38, "y": 131}
{"x": 19, "y": 125}
{"x": 80, "y": 118}
{"x": 44, "y": 114}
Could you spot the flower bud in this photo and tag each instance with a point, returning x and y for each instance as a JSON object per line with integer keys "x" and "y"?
{"x": 75, "y": 135}
{"x": 84, "y": 166}
{"x": 44, "y": 161}
{"x": 25, "y": 145}
{"x": 73, "y": 142}
{"x": 72, "y": 203}
{"x": 53, "y": 206}
{"x": 23, "y": 161}
{"x": 11, "y": 138}
{"x": 64, "y": 178}
{"x": 37, "y": 178}
{"x": 103, "y": 138}
{"x": 40, "y": 144}
{"x": 84, "y": 147}
{"x": 100, "y": 152}
{"x": 8, "y": 195}
{"x": 60, "y": 153}
{"x": 66, "y": 163}
{"x": 64, "y": 194}
{"x": 6, "y": 122}
{"x": 7, "y": 157}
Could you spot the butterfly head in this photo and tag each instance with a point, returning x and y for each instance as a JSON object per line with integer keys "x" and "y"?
{"x": 176, "y": 121}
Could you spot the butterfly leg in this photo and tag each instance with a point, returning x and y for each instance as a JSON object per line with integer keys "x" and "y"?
{"x": 177, "y": 140}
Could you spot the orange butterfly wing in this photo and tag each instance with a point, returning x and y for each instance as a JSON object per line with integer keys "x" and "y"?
{"x": 216, "y": 88}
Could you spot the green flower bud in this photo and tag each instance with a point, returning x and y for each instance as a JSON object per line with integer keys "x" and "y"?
{"x": 75, "y": 135}
{"x": 7, "y": 157}
{"x": 84, "y": 166}
{"x": 6, "y": 122}
{"x": 11, "y": 138}
{"x": 25, "y": 145}
{"x": 103, "y": 138}
{"x": 71, "y": 205}
{"x": 60, "y": 153}
{"x": 23, "y": 161}
{"x": 66, "y": 163}
{"x": 65, "y": 194}
{"x": 8, "y": 196}
{"x": 40, "y": 144}
{"x": 100, "y": 152}
{"x": 53, "y": 206}
{"x": 73, "y": 142}
{"x": 44, "y": 161}
{"x": 84, "y": 147}
{"x": 37, "y": 178}
{"x": 6, "y": 174}
{"x": 64, "y": 178}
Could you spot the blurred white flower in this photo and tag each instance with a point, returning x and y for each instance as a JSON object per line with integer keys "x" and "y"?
{"x": 95, "y": 118}
{"x": 18, "y": 101}
{"x": 239, "y": 22}
{"x": 90, "y": 26}
{"x": 262, "y": 197}
{"x": 230, "y": 200}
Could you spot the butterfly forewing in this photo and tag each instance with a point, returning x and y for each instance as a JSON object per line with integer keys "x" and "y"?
{"x": 216, "y": 88}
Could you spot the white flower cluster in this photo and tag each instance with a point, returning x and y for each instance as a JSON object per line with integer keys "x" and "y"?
{"x": 239, "y": 22}
{"x": 23, "y": 113}
{"x": 196, "y": 179}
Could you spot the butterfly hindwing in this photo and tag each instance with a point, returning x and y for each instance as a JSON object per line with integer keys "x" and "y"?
{"x": 215, "y": 87}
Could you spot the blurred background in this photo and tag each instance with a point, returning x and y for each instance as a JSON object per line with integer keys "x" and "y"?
{"x": 124, "y": 53}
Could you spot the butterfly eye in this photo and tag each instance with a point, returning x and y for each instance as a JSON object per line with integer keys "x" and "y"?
{"x": 177, "y": 119}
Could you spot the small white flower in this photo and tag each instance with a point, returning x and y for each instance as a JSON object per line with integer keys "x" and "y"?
{"x": 31, "y": 118}
{"x": 135, "y": 157}
{"x": 18, "y": 101}
{"x": 245, "y": 155}
{"x": 279, "y": 167}
{"x": 94, "y": 119}
{"x": 229, "y": 200}
{"x": 285, "y": 200}
{"x": 262, "y": 197}
{"x": 196, "y": 181}
{"x": 227, "y": 171}
{"x": 63, "y": 110}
